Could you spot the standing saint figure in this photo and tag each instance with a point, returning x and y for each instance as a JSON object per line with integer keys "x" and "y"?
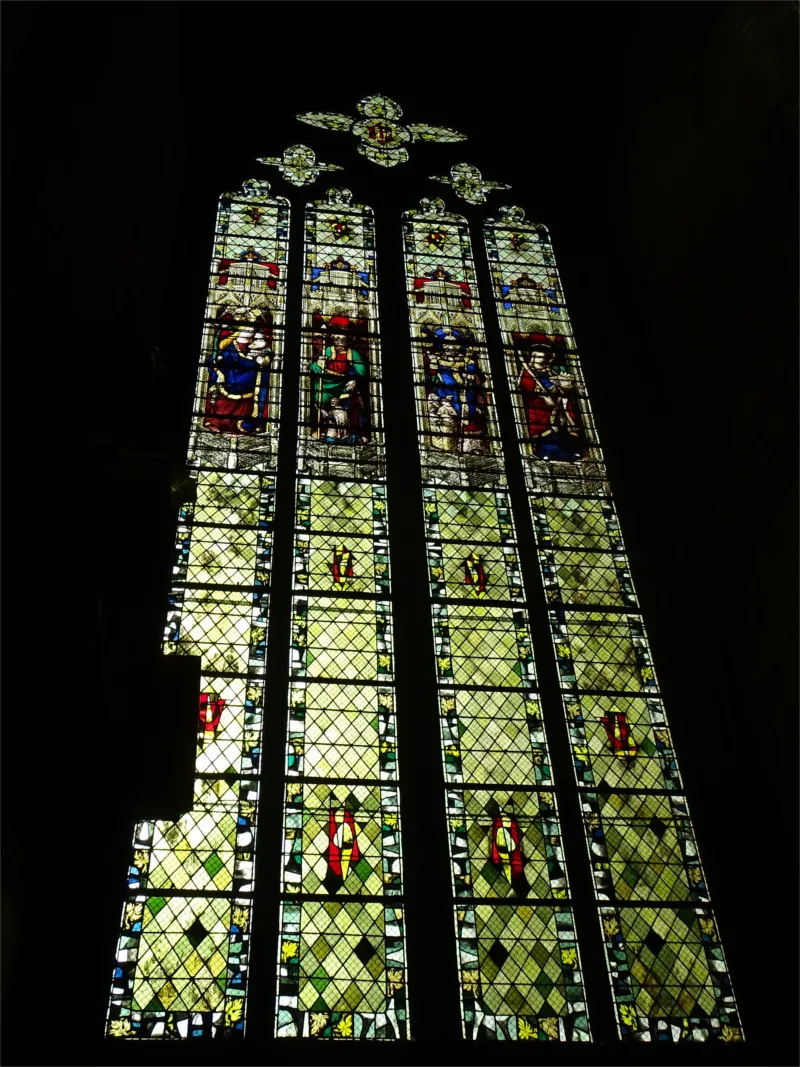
{"x": 548, "y": 397}
{"x": 237, "y": 401}
{"x": 454, "y": 386}
{"x": 338, "y": 375}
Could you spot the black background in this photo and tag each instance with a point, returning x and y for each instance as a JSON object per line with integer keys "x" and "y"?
{"x": 658, "y": 142}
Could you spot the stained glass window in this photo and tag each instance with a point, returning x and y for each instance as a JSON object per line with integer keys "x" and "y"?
{"x": 342, "y": 949}
{"x": 668, "y": 973}
{"x": 182, "y": 957}
{"x": 519, "y": 964}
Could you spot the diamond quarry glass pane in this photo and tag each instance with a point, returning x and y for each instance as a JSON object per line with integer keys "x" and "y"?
{"x": 182, "y": 960}
{"x": 344, "y": 731}
{"x": 504, "y": 834}
{"x": 520, "y": 971}
{"x": 341, "y": 969}
{"x": 668, "y": 974}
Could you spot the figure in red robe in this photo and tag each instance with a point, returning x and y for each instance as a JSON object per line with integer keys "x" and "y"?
{"x": 548, "y": 397}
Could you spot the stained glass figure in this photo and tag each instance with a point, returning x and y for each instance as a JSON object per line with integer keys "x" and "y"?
{"x": 342, "y": 959}
{"x": 382, "y": 137}
{"x": 298, "y": 164}
{"x": 518, "y": 959}
{"x": 668, "y": 973}
{"x": 182, "y": 956}
{"x": 468, "y": 183}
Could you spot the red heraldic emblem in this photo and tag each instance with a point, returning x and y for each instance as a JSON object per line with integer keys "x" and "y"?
{"x": 343, "y": 851}
{"x": 342, "y": 565}
{"x": 210, "y": 713}
{"x": 619, "y": 735}
{"x": 474, "y": 574}
{"x": 506, "y": 852}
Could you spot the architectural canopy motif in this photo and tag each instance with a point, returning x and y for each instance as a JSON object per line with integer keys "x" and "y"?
{"x": 382, "y": 136}
{"x": 468, "y": 183}
{"x": 298, "y": 164}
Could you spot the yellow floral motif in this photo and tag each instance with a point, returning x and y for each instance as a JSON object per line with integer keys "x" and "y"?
{"x": 394, "y": 980}
{"x": 611, "y": 926}
{"x": 318, "y": 1022}
{"x": 141, "y": 859}
{"x": 288, "y": 950}
{"x": 647, "y": 674}
{"x": 562, "y": 650}
{"x": 707, "y": 926}
{"x": 696, "y": 875}
{"x": 390, "y": 819}
{"x": 448, "y": 705}
{"x": 471, "y": 981}
{"x": 257, "y": 635}
{"x": 133, "y": 914}
{"x": 731, "y": 1033}
{"x": 344, "y": 1028}
{"x": 119, "y": 1028}
{"x": 628, "y": 1016}
{"x": 444, "y": 664}
{"x": 550, "y": 1027}
{"x": 383, "y": 661}
{"x": 526, "y": 1031}
{"x": 569, "y": 957}
{"x": 247, "y": 809}
{"x": 431, "y": 509}
{"x": 436, "y": 572}
{"x": 233, "y": 1012}
{"x": 241, "y": 917}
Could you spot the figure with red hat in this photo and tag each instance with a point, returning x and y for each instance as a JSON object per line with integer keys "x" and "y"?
{"x": 338, "y": 374}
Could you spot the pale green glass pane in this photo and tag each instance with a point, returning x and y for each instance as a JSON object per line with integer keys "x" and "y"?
{"x": 218, "y": 626}
{"x": 340, "y": 507}
{"x": 326, "y": 563}
{"x": 342, "y": 971}
{"x": 493, "y": 737}
{"x": 342, "y": 839}
{"x": 469, "y": 514}
{"x": 505, "y": 843}
{"x": 209, "y": 848}
{"x": 607, "y": 651}
{"x": 228, "y": 498}
{"x": 581, "y": 523}
{"x": 222, "y": 557}
{"x": 642, "y": 848}
{"x": 520, "y": 973}
{"x": 487, "y": 647}
{"x": 669, "y": 975}
{"x": 229, "y": 726}
{"x": 341, "y": 731}
{"x": 587, "y": 578}
{"x": 190, "y": 956}
{"x": 475, "y": 571}
{"x": 597, "y": 762}
{"x": 334, "y": 638}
